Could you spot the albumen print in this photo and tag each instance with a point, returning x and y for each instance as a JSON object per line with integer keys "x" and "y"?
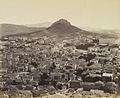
{"x": 59, "y": 48}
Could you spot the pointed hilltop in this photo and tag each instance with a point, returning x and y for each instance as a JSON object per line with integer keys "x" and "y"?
{"x": 62, "y": 26}
{"x": 62, "y": 22}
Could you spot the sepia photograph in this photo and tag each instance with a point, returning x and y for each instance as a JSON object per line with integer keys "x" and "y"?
{"x": 59, "y": 48}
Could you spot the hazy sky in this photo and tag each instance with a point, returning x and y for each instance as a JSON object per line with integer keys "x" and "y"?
{"x": 91, "y": 13}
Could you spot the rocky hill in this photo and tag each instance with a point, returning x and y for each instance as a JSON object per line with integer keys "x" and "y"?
{"x": 61, "y": 30}
{"x": 63, "y": 27}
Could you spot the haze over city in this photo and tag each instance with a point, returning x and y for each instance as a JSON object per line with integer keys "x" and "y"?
{"x": 89, "y": 13}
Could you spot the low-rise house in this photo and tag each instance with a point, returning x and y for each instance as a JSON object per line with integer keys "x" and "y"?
{"x": 74, "y": 84}
{"x": 94, "y": 49}
{"x": 59, "y": 77}
{"x": 110, "y": 87}
{"x": 37, "y": 78}
{"x": 56, "y": 76}
{"x": 87, "y": 86}
{"x": 30, "y": 87}
{"x": 107, "y": 77}
{"x": 21, "y": 69}
{"x": 94, "y": 61}
{"x": 103, "y": 45}
{"x": 93, "y": 78}
{"x": 27, "y": 78}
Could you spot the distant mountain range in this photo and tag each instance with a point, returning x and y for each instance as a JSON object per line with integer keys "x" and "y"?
{"x": 99, "y": 30}
{"x": 45, "y": 24}
{"x": 11, "y": 29}
{"x": 61, "y": 28}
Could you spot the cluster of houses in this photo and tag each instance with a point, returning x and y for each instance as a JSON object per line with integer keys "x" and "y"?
{"x": 33, "y": 64}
